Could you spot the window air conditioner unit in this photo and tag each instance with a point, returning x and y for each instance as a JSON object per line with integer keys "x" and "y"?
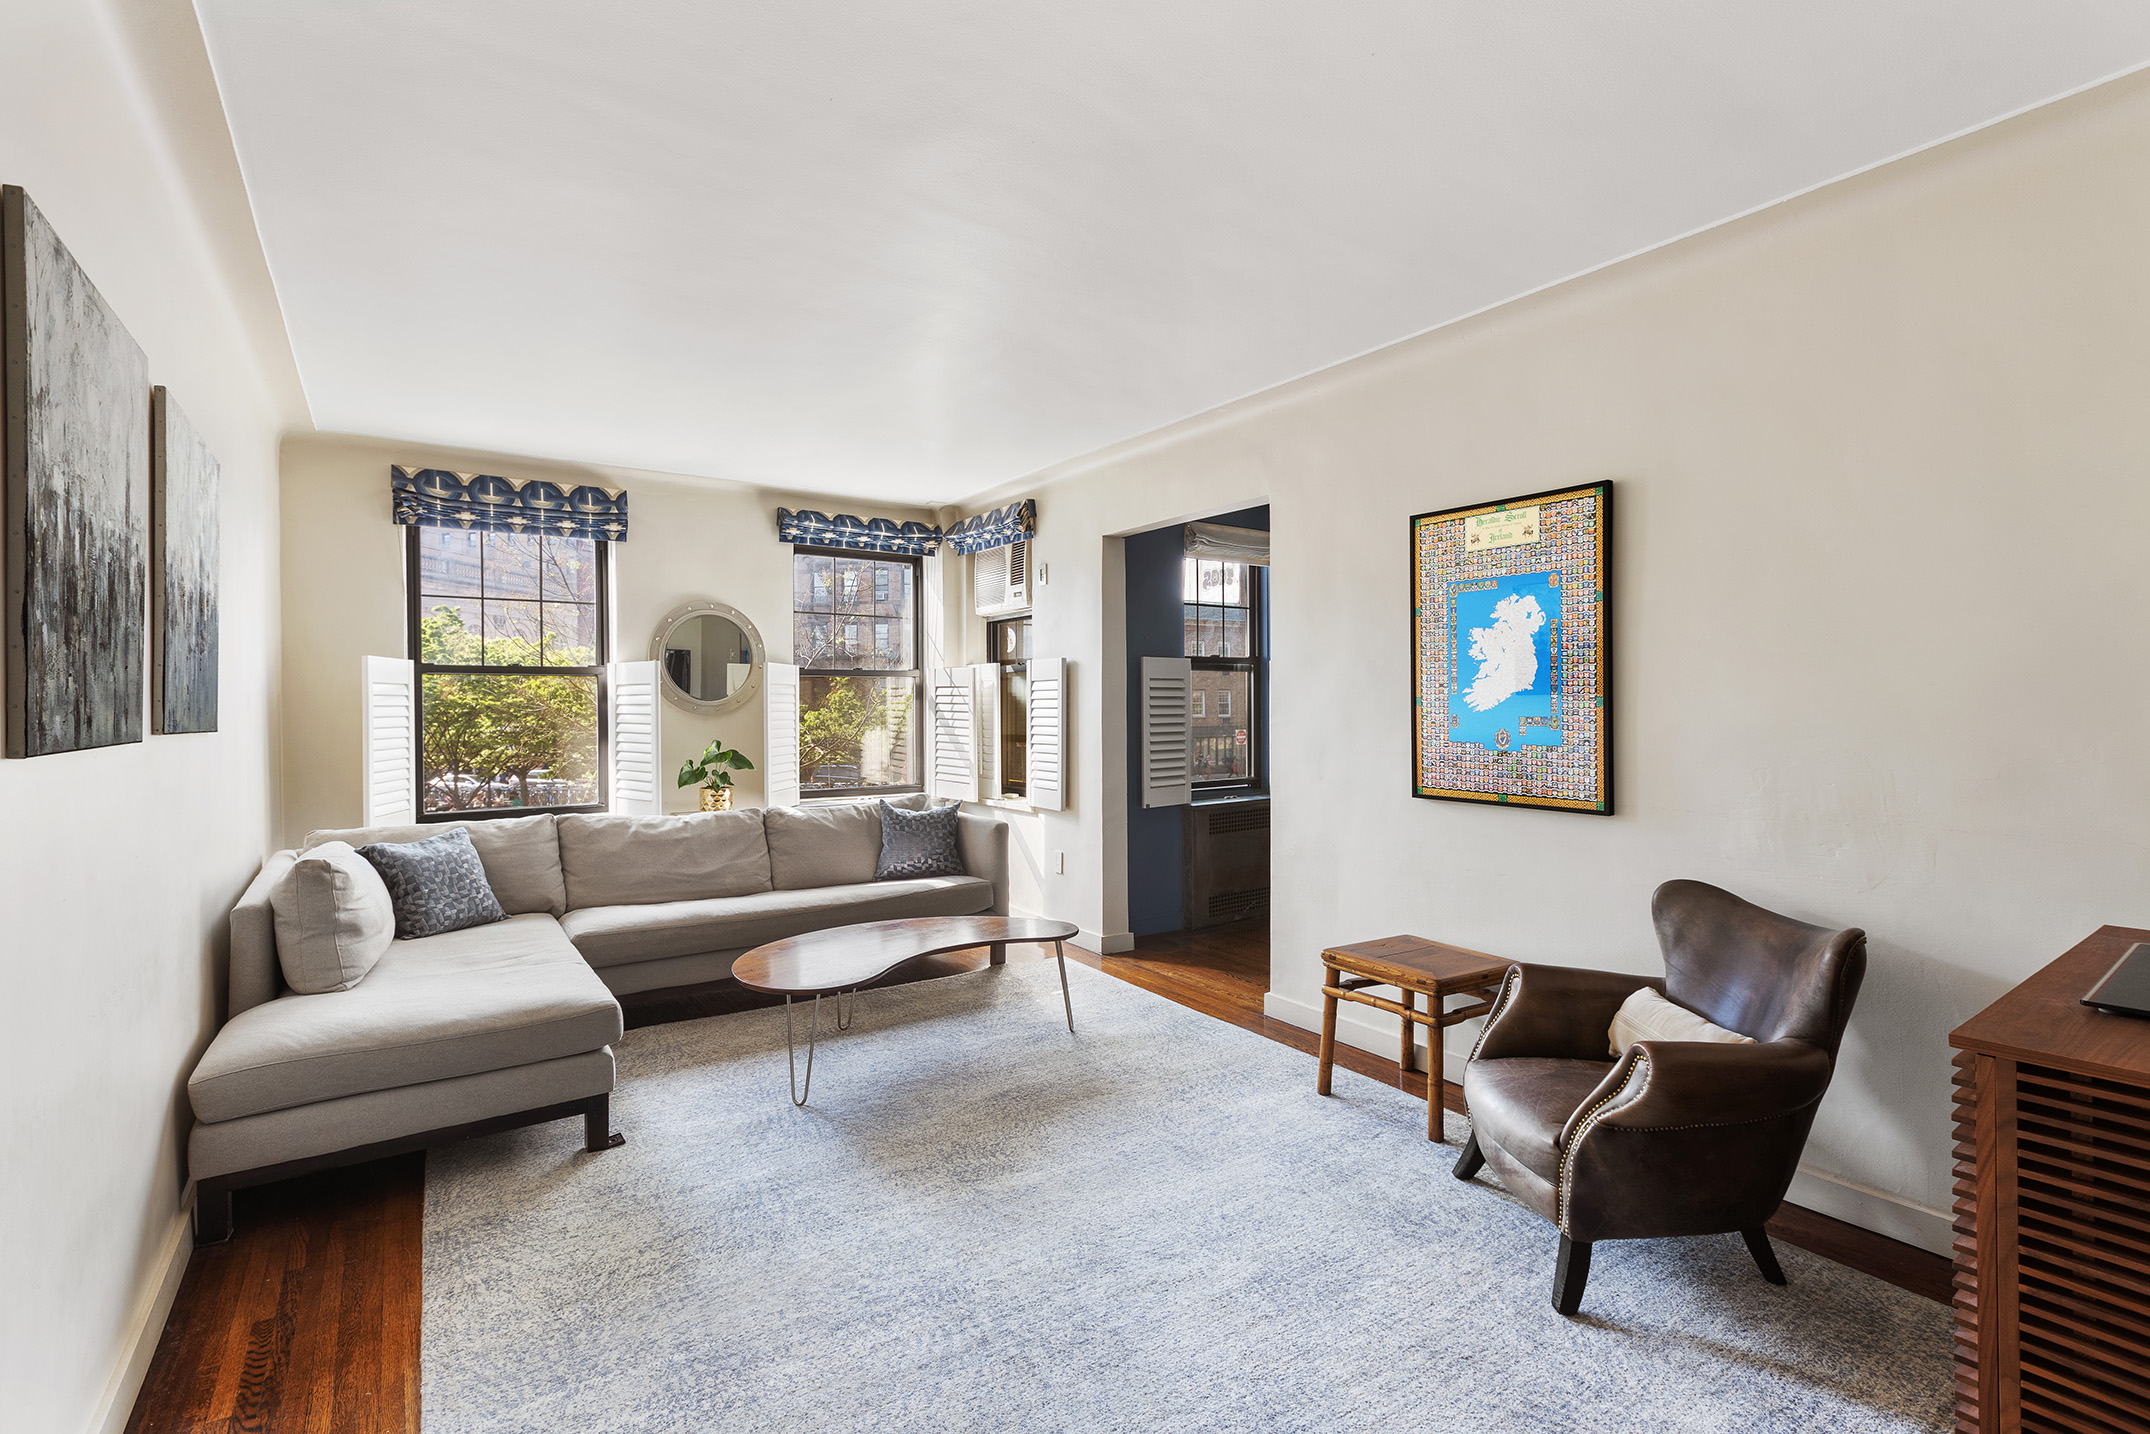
{"x": 1000, "y": 580}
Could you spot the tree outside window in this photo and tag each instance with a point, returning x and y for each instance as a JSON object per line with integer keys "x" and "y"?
{"x": 508, "y": 633}
{"x": 854, "y": 637}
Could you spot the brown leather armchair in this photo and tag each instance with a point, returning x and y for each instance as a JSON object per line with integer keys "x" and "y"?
{"x": 1673, "y": 1137}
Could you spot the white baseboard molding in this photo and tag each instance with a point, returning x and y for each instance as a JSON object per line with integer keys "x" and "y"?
{"x": 1817, "y": 1190}
{"x": 1875, "y": 1210}
{"x": 140, "y": 1344}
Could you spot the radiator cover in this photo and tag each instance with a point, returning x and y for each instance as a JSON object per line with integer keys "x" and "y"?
{"x": 1226, "y": 863}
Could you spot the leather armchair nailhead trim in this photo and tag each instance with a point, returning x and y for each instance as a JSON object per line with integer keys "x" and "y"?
{"x": 1641, "y": 1067}
{"x": 1509, "y": 984}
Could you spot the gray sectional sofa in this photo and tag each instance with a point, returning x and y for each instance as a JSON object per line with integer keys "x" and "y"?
{"x": 494, "y": 1026}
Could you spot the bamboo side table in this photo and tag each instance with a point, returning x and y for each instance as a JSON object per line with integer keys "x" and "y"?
{"x": 1415, "y": 967}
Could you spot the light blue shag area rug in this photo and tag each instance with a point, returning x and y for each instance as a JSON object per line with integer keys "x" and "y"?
{"x": 982, "y": 1223}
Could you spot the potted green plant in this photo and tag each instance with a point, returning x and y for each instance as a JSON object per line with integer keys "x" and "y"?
{"x": 712, "y": 771}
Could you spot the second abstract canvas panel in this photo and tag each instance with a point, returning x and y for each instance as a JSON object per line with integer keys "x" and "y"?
{"x": 183, "y": 588}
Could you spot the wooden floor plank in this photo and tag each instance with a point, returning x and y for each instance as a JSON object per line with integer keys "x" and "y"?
{"x": 310, "y": 1318}
{"x": 402, "y": 1301}
{"x": 1906, "y": 1266}
{"x": 262, "y": 1337}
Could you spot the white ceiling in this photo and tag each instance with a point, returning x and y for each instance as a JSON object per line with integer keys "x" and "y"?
{"x": 908, "y": 252}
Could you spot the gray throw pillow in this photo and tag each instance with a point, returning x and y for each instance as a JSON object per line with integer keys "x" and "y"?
{"x": 333, "y": 920}
{"x": 437, "y": 884}
{"x": 521, "y": 855}
{"x": 915, "y": 844}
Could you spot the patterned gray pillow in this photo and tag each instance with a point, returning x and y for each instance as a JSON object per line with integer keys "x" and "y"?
{"x": 436, "y": 885}
{"x": 915, "y": 844}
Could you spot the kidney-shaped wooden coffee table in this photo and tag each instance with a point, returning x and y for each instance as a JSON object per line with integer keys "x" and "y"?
{"x": 844, "y": 958}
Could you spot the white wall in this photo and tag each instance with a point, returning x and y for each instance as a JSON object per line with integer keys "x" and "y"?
{"x": 688, "y": 538}
{"x": 1883, "y": 468}
{"x": 121, "y": 863}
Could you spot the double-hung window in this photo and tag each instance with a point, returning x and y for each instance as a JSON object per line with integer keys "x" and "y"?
{"x": 1009, "y": 641}
{"x": 1221, "y": 632}
{"x": 509, "y": 635}
{"x": 854, "y": 637}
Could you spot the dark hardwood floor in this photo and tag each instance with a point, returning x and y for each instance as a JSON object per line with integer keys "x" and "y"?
{"x": 309, "y": 1318}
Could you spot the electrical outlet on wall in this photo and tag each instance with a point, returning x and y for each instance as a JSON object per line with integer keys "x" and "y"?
{"x": 1045, "y": 574}
{"x": 1060, "y": 863}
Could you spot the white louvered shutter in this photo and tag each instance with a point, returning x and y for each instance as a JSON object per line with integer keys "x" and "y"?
{"x": 1046, "y": 742}
{"x": 985, "y": 707}
{"x": 954, "y": 770}
{"x": 780, "y": 734}
{"x": 634, "y": 736}
{"x": 389, "y": 727}
{"x": 1167, "y": 735}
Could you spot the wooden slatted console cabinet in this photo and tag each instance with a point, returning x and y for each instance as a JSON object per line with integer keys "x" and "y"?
{"x": 2053, "y": 1207}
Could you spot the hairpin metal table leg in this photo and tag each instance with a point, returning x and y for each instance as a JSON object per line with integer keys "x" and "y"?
{"x": 798, "y": 1097}
{"x": 1065, "y": 1000}
{"x": 845, "y": 1015}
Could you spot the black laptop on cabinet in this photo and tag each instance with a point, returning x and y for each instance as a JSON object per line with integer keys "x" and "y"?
{"x": 2124, "y": 990}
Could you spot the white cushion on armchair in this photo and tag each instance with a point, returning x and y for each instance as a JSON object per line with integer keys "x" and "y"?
{"x": 1648, "y": 1016}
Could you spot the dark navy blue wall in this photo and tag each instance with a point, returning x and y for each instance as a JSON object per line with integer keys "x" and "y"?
{"x": 1154, "y": 590}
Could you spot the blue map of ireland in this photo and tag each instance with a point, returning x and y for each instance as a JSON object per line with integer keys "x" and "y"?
{"x": 1504, "y": 641}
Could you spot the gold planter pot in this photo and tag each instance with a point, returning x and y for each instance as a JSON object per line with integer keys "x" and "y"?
{"x": 716, "y": 799}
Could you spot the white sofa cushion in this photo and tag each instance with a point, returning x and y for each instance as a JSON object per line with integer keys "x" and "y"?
{"x": 620, "y": 935}
{"x": 479, "y": 999}
{"x": 334, "y": 918}
{"x": 823, "y": 843}
{"x": 275, "y": 1136}
{"x": 612, "y": 860}
{"x": 1648, "y": 1016}
{"x": 521, "y": 856}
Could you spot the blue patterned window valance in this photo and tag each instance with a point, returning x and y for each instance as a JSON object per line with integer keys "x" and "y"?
{"x": 996, "y": 529}
{"x": 437, "y": 498}
{"x": 875, "y": 535}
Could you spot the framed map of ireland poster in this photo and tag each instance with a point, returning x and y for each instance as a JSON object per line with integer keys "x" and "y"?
{"x": 1511, "y": 652}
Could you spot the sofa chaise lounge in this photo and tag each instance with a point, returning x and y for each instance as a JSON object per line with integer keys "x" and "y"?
{"x": 512, "y": 1023}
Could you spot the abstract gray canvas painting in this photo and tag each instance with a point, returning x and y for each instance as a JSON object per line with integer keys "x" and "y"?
{"x": 183, "y": 583}
{"x": 77, "y": 467}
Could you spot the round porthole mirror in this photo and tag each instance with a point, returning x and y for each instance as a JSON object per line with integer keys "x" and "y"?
{"x": 711, "y": 657}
